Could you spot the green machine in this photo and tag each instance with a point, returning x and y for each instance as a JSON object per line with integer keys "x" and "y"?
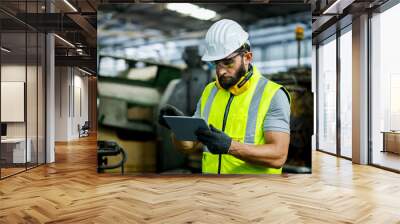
{"x": 129, "y": 103}
{"x": 128, "y": 100}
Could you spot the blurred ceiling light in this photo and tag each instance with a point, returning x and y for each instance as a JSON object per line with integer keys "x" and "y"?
{"x": 5, "y": 49}
{"x": 70, "y": 5}
{"x": 65, "y": 41}
{"x": 192, "y": 10}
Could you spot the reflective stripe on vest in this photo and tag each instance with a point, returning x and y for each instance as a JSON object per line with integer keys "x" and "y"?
{"x": 244, "y": 122}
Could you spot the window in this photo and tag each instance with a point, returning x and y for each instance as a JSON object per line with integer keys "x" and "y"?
{"x": 385, "y": 88}
{"x": 22, "y": 74}
{"x": 346, "y": 93}
{"x": 327, "y": 96}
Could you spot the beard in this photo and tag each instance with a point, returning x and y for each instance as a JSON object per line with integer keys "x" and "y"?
{"x": 227, "y": 82}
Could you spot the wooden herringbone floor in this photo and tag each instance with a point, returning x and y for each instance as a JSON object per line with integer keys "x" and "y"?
{"x": 70, "y": 191}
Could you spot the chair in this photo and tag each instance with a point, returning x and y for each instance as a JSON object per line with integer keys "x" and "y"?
{"x": 84, "y": 130}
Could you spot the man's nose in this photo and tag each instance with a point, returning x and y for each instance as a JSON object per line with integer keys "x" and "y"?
{"x": 221, "y": 71}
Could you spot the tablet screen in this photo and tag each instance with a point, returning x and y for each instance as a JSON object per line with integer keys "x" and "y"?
{"x": 185, "y": 127}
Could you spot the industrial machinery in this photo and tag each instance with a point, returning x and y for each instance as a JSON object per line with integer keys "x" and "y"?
{"x": 298, "y": 82}
{"x": 127, "y": 100}
{"x": 184, "y": 94}
{"x": 106, "y": 149}
{"x": 128, "y": 107}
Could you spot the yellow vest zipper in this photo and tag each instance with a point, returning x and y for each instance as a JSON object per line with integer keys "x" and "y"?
{"x": 228, "y": 105}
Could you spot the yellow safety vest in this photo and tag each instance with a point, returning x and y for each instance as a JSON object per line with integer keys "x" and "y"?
{"x": 243, "y": 122}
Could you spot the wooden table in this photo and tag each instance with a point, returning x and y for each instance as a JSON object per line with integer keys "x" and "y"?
{"x": 16, "y": 147}
{"x": 391, "y": 141}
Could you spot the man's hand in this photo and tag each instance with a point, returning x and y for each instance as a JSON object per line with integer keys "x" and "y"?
{"x": 216, "y": 141}
{"x": 186, "y": 147}
{"x": 168, "y": 110}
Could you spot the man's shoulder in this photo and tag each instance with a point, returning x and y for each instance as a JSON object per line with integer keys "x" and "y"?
{"x": 208, "y": 88}
{"x": 269, "y": 82}
{"x": 278, "y": 115}
{"x": 210, "y": 85}
{"x": 281, "y": 95}
{"x": 280, "y": 89}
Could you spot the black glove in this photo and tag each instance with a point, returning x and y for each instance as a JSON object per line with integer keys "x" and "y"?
{"x": 216, "y": 141}
{"x": 168, "y": 110}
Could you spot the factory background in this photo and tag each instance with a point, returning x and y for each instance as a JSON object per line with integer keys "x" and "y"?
{"x": 144, "y": 64}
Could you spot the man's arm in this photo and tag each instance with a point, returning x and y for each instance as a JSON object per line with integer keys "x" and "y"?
{"x": 276, "y": 133}
{"x": 272, "y": 154}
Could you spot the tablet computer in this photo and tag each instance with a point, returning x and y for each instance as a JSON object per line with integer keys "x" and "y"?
{"x": 185, "y": 127}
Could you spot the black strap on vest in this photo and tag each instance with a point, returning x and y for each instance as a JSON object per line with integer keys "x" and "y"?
{"x": 247, "y": 77}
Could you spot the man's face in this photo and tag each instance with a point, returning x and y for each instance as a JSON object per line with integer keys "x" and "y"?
{"x": 231, "y": 69}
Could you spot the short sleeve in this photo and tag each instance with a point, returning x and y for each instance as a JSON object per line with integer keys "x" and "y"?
{"x": 278, "y": 115}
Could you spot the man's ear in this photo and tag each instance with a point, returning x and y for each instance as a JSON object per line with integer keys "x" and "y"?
{"x": 248, "y": 57}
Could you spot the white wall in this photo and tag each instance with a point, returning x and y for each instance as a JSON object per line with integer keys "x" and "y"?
{"x": 80, "y": 100}
{"x": 12, "y": 73}
{"x": 61, "y": 103}
{"x": 33, "y": 126}
{"x": 71, "y": 93}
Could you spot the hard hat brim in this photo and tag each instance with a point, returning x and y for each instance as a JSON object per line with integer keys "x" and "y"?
{"x": 207, "y": 57}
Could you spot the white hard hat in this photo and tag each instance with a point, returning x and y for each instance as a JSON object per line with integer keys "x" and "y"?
{"x": 222, "y": 39}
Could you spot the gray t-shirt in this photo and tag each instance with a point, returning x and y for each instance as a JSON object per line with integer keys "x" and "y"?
{"x": 278, "y": 115}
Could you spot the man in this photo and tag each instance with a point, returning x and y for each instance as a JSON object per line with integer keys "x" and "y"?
{"x": 248, "y": 115}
